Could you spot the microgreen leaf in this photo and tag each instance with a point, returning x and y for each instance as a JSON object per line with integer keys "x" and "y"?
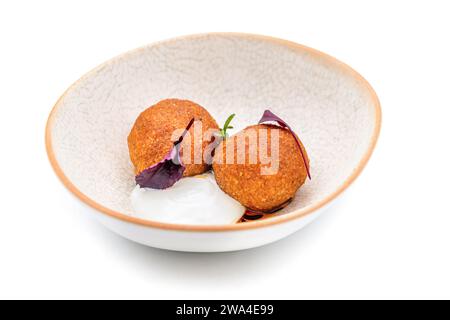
{"x": 226, "y": 126}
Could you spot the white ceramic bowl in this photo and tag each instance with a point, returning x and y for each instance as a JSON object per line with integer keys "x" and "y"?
{"x": 333, "y": 109}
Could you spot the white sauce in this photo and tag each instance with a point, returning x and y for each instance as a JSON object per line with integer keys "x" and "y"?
{"x": 194, "y": 200}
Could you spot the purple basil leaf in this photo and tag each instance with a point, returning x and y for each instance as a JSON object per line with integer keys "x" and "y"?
{"x": 168, "y": 171}
{"x": 270, "y": 116}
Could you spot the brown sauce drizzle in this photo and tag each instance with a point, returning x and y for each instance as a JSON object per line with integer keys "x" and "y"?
{"x": 253, "y": 215}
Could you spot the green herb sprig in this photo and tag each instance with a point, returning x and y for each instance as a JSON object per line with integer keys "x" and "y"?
{"x": 226, "y": 126}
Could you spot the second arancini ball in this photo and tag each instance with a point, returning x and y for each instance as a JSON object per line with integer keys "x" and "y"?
{"x": 151, "y": 137}
{"x": 245, "y": 181}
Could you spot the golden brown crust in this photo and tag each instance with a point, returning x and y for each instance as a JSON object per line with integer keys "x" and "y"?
{"x": 150, "y": 138}
{"x": 246, "y": 184}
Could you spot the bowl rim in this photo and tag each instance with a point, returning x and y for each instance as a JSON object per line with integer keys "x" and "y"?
{"x": 232, "y": 227}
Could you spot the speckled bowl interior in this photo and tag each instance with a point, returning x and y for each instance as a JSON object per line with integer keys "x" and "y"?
{"x": 333, "y": 110}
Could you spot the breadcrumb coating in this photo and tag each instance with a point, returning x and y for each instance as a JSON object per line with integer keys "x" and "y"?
{"x": 245, "y": 183}
{"x": 150, "y": 138}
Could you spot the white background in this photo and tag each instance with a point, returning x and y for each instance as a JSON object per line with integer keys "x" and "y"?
{"x": 389, "y": 236}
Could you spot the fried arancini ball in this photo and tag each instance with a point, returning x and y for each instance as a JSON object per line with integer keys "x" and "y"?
{"x": 246, "y": 183}
{"x": 151, "y": 137}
